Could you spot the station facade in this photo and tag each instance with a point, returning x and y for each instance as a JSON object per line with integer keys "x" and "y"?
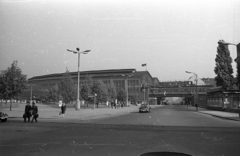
{"x": 122, "y": 78}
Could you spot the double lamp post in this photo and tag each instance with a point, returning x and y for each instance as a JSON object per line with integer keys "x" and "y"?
{"x": 78, "y": 52}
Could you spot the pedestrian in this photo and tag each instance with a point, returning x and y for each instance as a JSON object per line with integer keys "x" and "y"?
{"x": 27, "y": 113}
{"x": 112, "y": 104}
{"x": 34, "y": 112}
{"x": 196, "y": 105}
{"x": 121, "y": 104}
{"x": 63, "y": 109}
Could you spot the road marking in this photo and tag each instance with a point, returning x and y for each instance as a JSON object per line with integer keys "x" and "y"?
{"x": 44, "y": 143}
{"x": 76, "y": 144}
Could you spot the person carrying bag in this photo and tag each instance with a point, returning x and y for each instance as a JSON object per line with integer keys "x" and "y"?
{"x": 27, "y": 113}
{"x": 34, "y": 112}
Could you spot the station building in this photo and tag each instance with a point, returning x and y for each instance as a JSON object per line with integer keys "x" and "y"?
{"x": 122, "y": 78}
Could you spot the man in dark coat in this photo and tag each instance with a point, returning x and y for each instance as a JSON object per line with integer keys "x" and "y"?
{"x": 63, "y": 109}
{"x": 34, "y": 112}
{"x": 27, "y": 112}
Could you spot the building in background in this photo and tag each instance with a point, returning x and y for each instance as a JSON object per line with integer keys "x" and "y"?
{"x": 122, "y": 78}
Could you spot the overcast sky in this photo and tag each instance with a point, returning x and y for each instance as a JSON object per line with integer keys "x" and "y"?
{"x": 170, "y": 36}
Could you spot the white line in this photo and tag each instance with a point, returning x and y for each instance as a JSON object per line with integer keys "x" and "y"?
{"x": 32, "y": 144}
{"x": 103, "y": 144}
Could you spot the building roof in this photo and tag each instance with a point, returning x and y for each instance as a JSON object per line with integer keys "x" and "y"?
{"x": 140, "y": 74}
{"x": 93, "y": 73}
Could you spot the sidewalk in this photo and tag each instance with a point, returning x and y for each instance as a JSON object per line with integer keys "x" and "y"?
{"x": 220, "y": 114}
{"x": 51, "y": 112}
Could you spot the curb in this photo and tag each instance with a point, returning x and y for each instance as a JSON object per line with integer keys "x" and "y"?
{"x": 228, "y": 118}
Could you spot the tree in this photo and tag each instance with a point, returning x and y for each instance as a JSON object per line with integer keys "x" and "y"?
{"x": 133, "y": 98}
{"x": 53, "y": 93}
{"x": 67, "y": 88}
{"x": 237, "y": 60}
{"x": 121, "y": 96}
{"x": 224, "y": 68}
{"x": 100, "y": 89}
{"x": 85, "y": 90}
{"x": 12, "y": 82}
{"x": 112, "y": 93}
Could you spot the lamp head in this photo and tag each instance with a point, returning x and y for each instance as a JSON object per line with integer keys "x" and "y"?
{"x": 222, "y": 42}
{"x": 77, "y": 49}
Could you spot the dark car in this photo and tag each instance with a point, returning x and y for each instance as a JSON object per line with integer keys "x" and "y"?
{"x": 144, "y": 108}
{"x": 3, "y": 116}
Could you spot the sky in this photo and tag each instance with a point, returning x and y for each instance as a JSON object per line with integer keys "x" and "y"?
{"x": 171, "y": 36}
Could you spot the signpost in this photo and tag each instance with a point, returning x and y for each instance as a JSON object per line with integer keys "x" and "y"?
{"x": 94, "y": 101}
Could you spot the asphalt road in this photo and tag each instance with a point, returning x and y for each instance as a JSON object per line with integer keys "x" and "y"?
{"x": 170, "y": 115}
{"x": 165, "y": 129}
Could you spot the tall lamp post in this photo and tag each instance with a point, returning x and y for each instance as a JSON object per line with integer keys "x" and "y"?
{"x": 31, "y": 90}
{"x": 237, "y": 60}
{"x": 78, "y": 52}
{"x": 196, "y": 104}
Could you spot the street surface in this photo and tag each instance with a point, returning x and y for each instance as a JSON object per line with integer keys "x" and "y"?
{"x": 165, "y": 129}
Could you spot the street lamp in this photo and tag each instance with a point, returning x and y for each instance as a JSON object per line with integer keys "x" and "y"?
{"x": 237, "y": 60}
{"x": 78, "y": 52}
{"x": 31, "y": 85}
{"x": 196, "y": 87}
{"x": 126, "y": 86}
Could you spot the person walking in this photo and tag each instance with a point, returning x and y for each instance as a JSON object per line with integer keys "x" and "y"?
{"x": 63, "y": 109}
{"x": 27, "y": 112}
{"x": 34, "y": 112}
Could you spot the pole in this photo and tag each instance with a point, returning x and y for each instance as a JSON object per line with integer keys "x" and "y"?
{"x": 78, "y": 52}
{"x": 196, "y": 93}
{"x": 127, "y": 91}
{"x": 78, "y": 102}
{"x": 31, "y": 95}
{"x": 144, "y": 94}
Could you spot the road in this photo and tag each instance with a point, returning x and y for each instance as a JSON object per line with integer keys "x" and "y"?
{"x": 172, "y": 115}
{"x": 165, "y": 129}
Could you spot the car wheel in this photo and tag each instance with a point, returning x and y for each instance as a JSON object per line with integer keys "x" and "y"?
{"x": 4, "y": 120}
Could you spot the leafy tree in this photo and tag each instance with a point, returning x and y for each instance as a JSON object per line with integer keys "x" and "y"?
{"x": 86, "y": 90}
{"x": 121, "y": 96}
{"x": 67, "y": 88}
{"x": 44, "y": 95}
{"x": 237, "y": 60}
{"x": 133, "y": 98}
{"x": 100, "y": 89}
{"x": 224, "y": 68}
{"x": 12, "y": 82}
{"x": 112, "y": 93}
{"x": 53, "y": 93}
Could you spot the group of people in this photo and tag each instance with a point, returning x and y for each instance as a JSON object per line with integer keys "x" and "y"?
{"x": 116, "y": 104}
{"x": 30, "y": 111}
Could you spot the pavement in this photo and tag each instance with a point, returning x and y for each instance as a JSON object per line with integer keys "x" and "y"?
{"x": 216, "y": 113}
{"x": 50, "y": 112}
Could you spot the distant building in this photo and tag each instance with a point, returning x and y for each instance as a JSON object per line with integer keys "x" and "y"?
{"x": 209, "y": 81}
{"x": 119, "y": 77}
{"x": 156, "y": 82}
{"x": 175, "y": 83}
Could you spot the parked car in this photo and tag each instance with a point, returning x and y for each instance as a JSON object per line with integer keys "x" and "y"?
{"x": 144, "y": 108}
{"x": 3, "y": 116}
